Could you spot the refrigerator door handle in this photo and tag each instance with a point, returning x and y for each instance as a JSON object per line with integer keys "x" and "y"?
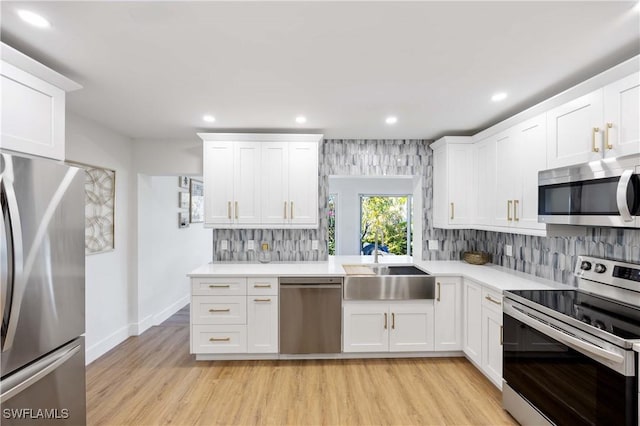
{"x": 11, "y": 218}
{"x": 37, "y": 371}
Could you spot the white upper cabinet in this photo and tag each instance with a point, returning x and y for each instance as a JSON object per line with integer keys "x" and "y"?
{"x": 622, "y": 117}
{"x": 484, "y": 172}
{"x": 261, "y": 180}
{"x": 452, "y": 177}
{"x": 521, "y": 154}
{"x": 602, "y": 124}
{"x": 33, "y": 106}
{"x": 574, "y": 131}
{"x": 231, "y": 176}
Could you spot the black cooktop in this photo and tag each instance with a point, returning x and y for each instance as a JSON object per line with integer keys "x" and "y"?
{"x": 609, "y": 315}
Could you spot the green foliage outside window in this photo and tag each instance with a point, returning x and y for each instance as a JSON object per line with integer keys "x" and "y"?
{"x": 389, "y": 216}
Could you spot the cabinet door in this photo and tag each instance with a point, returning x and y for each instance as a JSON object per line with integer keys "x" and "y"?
{"x": 622, "y": 116}
{"x": 492, "y": 345}
{"x": 366, "y": 327}
{"x": 246, "y": 208}
{"x": 218, "y": 182}
{"x": 574, "y": 131}
{"x": 411, "y": 327}
{"x": 262, "y": 324}
{"x": 484, "y": 158}
{"x": 459, "y": 171}
{"x": 303, "y": 183}
{"x": 439, "y": 188}
{"x": 531, "y": 153}
{"x": 472, "y": 326}
{"x": 448, "y": 314}
{"x": 33, "y": 114}
{"x": 506, "y": 171}
{"x": 275, "y": 183}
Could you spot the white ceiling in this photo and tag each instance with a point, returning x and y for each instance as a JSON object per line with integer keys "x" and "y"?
{"x": 152, "y": 69}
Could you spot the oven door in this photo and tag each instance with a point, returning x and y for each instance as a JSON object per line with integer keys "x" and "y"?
{"x": 570, "y": 380}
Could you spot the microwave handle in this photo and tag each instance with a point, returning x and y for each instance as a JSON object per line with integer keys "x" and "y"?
{"x": 621, "y": 195}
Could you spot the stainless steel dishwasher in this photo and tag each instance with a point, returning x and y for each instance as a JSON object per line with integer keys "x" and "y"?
{"x": 310, "y": 315}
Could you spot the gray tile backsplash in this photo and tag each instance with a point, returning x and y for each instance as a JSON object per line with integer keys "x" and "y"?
{"x": 552, "y": 258}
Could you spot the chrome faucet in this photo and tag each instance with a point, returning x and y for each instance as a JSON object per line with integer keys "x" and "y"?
{"x": 375, "y": 246}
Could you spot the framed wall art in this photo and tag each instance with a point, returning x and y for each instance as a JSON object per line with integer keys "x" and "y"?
{"x": 183, "y": 220}
{"x": 196, "y": 206}
{"x": 100, "y": 195}
{"x": 183, "y": 200}
{"x": 183, "y": 182}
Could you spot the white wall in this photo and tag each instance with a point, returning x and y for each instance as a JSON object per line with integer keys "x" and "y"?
{"x": 108, "y": 296}
{"x": 163, "y": 157}
{"x": 166, "y": 253}
{"x": 349, "y": 190}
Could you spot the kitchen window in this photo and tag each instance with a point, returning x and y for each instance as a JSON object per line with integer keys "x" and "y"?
{"x": 389, "y": 217}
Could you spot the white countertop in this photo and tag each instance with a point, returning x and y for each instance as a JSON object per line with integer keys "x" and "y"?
{"x": 494, "y": 276}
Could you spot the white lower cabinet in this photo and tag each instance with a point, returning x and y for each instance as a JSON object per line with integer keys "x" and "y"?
{"x": 483, "y": 329}
{"x": 388, "y": 327}
{"x": 448, "y": 314}
{"x": 262, "y": 324}
{"x": 234, "y": 315}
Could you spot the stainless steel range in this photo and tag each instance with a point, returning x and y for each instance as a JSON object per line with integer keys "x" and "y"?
{"x": 568, "y": 354}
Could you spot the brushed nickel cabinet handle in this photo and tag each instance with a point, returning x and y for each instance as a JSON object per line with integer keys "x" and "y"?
{"x": 219, "y": 286}
{"x": 438, "y": 298}
{"x": 236, "y": 210}
{"x": 229, "y": 209}
{"x": 292, "y": 210}
{"x": 606, "y": 136}
{"x": 492, "y": 300}
{"x": 452, "y": 211}
{"x": 262, "y": 286}
{"x": 385, "y": 320}
{"x": 224, "y": 339}
{"x": 509, "y": 218}
{"x": 285, "y": 209}
{"x": 501, "y": 335}
{"x": 262, "y": 300}
{"x": 593, "y": 139}
{"x": 220, "y": 310}
{"x": 515, "y": 210}
{"x": 393, "y": 321}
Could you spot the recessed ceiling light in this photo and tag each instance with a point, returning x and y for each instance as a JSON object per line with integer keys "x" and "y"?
{"x": 391, "y": 120}
{"x": 499, "y": 97}
{"x": 33, "y": 19}
{"x": 208, "y": 118}
{"x": 301, "y": 119}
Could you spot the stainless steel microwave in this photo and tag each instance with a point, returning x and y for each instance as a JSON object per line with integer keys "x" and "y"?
{"x": 599, "y": 193}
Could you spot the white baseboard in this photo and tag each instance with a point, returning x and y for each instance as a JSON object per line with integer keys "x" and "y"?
{"x": 137, "y": 328}
{"x": 163, "y": 315}
{"x": 95, "y": 351}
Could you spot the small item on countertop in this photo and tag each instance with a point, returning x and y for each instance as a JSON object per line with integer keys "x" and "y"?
{"x": 476, "y": 257}
{"x": 265, "y": 255}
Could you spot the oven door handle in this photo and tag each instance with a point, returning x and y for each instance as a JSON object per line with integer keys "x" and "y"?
{"x": 621, "y": 195}
{"x": 561, "y": 336}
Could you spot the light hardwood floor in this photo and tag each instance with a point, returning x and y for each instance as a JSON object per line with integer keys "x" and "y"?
{"x": 153, "y": 380}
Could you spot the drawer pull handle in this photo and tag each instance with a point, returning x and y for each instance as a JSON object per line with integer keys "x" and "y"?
{"x": 220, "y": 310}
{"x": 262, "y": 300}
{"x": 262, "y": 286}
{"x": 492, "y": 300}
{"x": 223, "y": 339}
{"x": 219, "y": 286}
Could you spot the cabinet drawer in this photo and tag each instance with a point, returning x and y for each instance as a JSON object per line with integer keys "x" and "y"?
{"x": 262, "y": 286}
{"x": 219, "y": 310}
{"x": 219, "y": 339}
{"x": 492, "y": 300}
{"x": 219, "y": 286}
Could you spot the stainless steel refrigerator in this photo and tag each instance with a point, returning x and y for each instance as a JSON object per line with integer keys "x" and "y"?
{"x": 42, "y": 267}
